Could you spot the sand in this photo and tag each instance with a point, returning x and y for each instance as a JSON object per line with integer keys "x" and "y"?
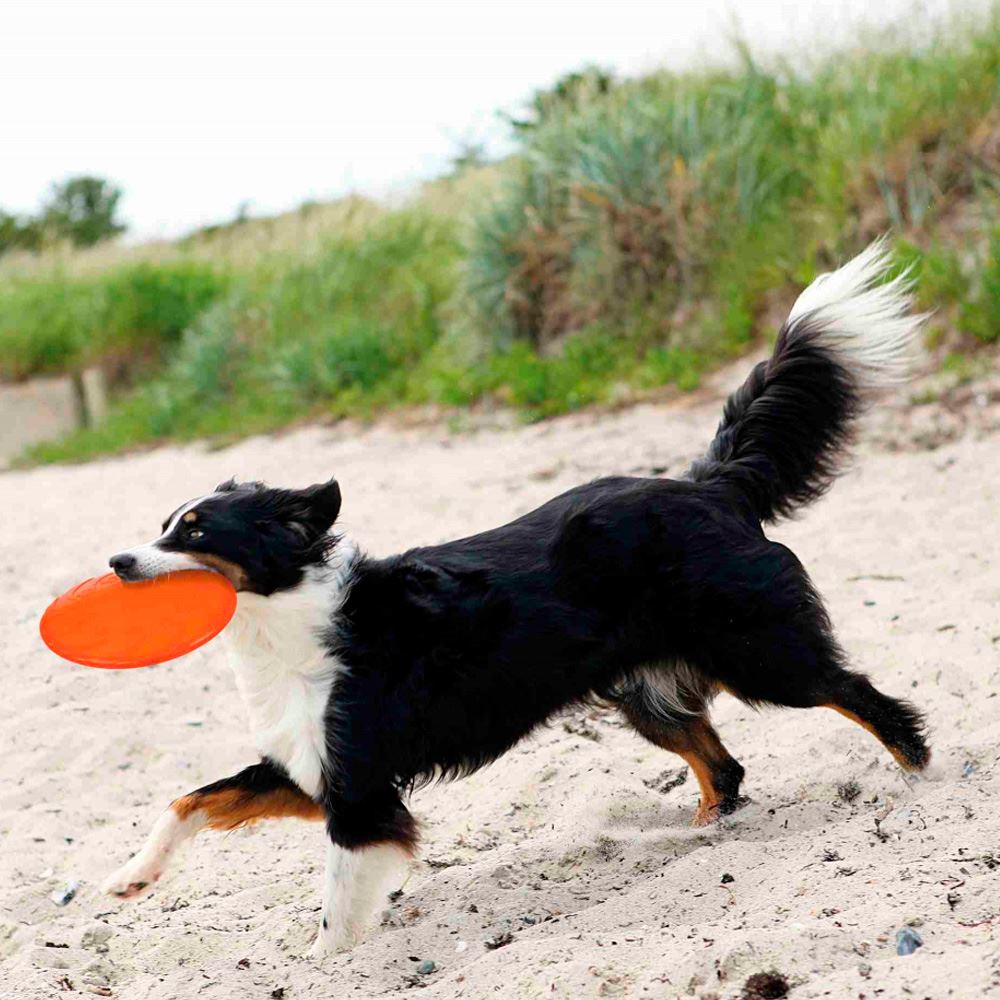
{"x": 574, "y": 849}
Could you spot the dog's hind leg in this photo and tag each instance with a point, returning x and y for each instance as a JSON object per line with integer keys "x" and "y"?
{"x": 684, "y": 729}
{"x": 896, "y": 724}
{"x": 801, "y": 666}
{"x": 262, "y": 791}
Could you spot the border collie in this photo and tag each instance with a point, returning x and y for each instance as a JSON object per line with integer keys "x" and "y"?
{"x": 364, "y": 678}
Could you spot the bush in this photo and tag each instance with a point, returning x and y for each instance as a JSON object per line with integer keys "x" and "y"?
{"x": 157, "y": 302}
{"x": 45, "y": 325}
{"x": 349, "y": 324}
{"x": 83, "y": 210}
{"x": 334, "y": 332}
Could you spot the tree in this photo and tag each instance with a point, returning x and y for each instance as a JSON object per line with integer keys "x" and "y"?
{"x": 18, "y": 233}
{"x": 83, "y": 210}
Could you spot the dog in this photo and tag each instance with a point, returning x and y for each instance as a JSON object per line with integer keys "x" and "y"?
{"x": 365, "y": 678}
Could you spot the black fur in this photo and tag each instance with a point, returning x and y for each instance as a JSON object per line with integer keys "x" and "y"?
{"x": 784, "y": 431}
{"x": 251, "y": 782}
{"x": 272, "y": 535}
{"x": 455, "y": 652}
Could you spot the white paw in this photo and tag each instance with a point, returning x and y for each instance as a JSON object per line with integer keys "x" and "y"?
{"x": 134, "y": 879}
{"x": 138, "y": 876}
{"x": 332, "y": 940}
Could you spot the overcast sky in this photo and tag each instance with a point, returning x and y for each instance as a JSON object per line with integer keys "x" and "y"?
{"x": 196, "y": 107}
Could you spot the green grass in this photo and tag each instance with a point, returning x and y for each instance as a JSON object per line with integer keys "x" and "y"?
{"x": 642, "y": 234}
{"x": 963, "y": 281}
{"x": 54, "y": 324}
{"x": 332, "y": 334}
{"x": 979, "y": 314}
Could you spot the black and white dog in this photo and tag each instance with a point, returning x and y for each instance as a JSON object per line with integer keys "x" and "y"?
{"x": 365, "y": 677}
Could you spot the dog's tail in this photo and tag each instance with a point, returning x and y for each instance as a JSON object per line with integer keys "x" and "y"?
{"x": 784, "y": 432}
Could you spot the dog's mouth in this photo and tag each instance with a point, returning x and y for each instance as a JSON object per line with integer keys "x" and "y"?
{"x": 137, "y": 567}
{"x": 233, "y": 572}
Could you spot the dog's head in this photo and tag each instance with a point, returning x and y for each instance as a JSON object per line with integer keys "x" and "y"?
{"x": 260, "y": 539}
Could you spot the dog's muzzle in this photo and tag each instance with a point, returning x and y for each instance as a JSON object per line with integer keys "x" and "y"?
{"x": 125, "y": 565}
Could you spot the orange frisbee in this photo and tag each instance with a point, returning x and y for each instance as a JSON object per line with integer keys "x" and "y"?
{"x": 104, "y": 622}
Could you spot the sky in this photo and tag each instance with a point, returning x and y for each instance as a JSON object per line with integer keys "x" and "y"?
{"x": 195, "y": 108}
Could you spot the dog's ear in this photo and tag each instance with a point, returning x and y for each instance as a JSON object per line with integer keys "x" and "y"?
{"x": 309, "y": 513}
{"x": 233, "y": 486}
{"x": 319, "y": 505}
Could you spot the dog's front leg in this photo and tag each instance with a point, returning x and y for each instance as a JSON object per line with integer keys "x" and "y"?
{"x": 370, "y": 845}
{"x": 263, "y": 791}
{"x": 355, "y": 881}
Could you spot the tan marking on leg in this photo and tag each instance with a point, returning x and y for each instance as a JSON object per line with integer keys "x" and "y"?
{"x": 854, "y": 717}
{"x": 699, "y": 746}
{"x": 710, "y": 798}
{"x": 230, "y": 808}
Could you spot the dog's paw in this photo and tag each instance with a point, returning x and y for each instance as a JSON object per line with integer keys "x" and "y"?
{"x": 132, "y": 880}
{"x": 706, "y": 815}
{"x": 318, "y": 951}
{"x": 333, "y": 941}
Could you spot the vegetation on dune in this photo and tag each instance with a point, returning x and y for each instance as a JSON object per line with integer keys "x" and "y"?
{"x": 126, "y": 317}
{"x": 645, "y": 230}
{"x": 336, "y": 332}
{"x": 696, "y": 195}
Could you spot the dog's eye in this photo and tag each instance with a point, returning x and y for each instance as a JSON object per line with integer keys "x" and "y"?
{"x": 195, "y": 533}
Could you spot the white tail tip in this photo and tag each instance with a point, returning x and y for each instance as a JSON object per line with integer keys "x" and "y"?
{"x": 864, "y": 318}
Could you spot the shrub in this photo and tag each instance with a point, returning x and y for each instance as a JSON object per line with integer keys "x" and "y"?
{"x": 672, "y": 189}
{"x": 157, "y": 302}
{"x": 360, "y": 313}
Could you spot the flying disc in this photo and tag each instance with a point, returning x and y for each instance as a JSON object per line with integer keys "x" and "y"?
{"x": 104, "y": 622}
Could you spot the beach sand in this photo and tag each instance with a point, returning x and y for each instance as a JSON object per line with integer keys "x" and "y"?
{"x": 575, "y": 853}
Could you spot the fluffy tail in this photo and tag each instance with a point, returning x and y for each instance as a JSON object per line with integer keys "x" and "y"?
{"x": 784, "y": 432}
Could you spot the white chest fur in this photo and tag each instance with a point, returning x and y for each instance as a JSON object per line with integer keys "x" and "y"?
{"x": 284, "y": 671}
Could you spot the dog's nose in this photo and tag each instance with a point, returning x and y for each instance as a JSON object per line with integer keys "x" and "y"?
{"x": 122, "y": 563}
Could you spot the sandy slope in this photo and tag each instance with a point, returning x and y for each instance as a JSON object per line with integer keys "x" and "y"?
{"x": 604, "y": 886}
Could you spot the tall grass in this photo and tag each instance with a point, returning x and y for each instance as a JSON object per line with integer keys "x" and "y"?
{"x": 628, "y": 202}
{"x": 643, "y": 232}
{"x": 704, "y": 191}
{"x": 236, "y": 245}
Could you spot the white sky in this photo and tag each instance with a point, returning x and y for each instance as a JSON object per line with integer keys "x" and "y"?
{"x": 196, "y": 107}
